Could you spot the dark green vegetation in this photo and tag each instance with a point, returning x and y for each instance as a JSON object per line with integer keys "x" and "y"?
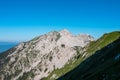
{"x": 102, "y": 60}
{"x": 106, "y": 39}
{"x": 97, "y": 61}
{"x": 91, "y": 49}
{"x": 26, "y": 76}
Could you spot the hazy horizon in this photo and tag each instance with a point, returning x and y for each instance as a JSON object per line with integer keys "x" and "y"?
{"x": 6, "y": 45}
{"x": 18, "y": 41}
{"x": 23, "y": 20}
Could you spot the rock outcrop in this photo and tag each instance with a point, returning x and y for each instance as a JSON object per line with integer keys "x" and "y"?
{"x": 40, "y": 56}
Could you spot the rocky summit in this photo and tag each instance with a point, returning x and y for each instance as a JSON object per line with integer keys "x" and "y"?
{"x": 37, "y": 58}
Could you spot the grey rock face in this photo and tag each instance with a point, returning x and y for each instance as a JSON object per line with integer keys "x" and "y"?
{"x": 37, "y": 58}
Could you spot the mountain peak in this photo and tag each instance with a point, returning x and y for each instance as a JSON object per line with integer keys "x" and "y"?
{"x": 41, "y": 55}
{"x": 65, "y": 32}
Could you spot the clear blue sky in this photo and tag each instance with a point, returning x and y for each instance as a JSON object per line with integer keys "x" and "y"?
{"x": 21, "y": 20}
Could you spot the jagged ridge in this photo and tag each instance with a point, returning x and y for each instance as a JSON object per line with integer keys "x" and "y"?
{"x": 37, "y": 58}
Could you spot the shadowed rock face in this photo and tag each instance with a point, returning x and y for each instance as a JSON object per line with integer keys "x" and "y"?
{"x": 37, "y": 58}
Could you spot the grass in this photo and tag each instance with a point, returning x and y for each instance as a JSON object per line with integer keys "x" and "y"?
{"x": 94, "y": 69}
{"x": 92, "y": 48}
{"x": 103, "y": 41}
{"x": 64, "y": 70}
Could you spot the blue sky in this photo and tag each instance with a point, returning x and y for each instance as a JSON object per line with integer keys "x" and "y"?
{"x": 21, "y": 20}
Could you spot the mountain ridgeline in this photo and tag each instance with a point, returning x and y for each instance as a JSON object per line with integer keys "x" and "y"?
{"x": 37, "y": 58}
{"x": 104, "y": 64}
{"x": 63, "y": 56}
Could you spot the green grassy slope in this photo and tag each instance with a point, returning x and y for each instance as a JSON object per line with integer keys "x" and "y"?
{"x": 102, "y": 42}
{"x": 102, "y": 65}
{"x": 94, "y": 46}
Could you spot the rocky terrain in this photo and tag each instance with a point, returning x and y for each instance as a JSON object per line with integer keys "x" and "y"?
{"x": 60, "y": 55}
{"x": 104, "y": 62}
{"x": 39, "y": 57}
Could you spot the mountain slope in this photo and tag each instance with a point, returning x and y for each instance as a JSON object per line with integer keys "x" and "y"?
{"x": 106, "y": 39}
{"x": 103, "y": 64}
{"x": 36, "y": 59}
{"x": 84, "y": 53}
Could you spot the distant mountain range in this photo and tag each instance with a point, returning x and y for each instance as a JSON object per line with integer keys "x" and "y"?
{"x": 59, "y": 55}
{"x": 6, "y": 45}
